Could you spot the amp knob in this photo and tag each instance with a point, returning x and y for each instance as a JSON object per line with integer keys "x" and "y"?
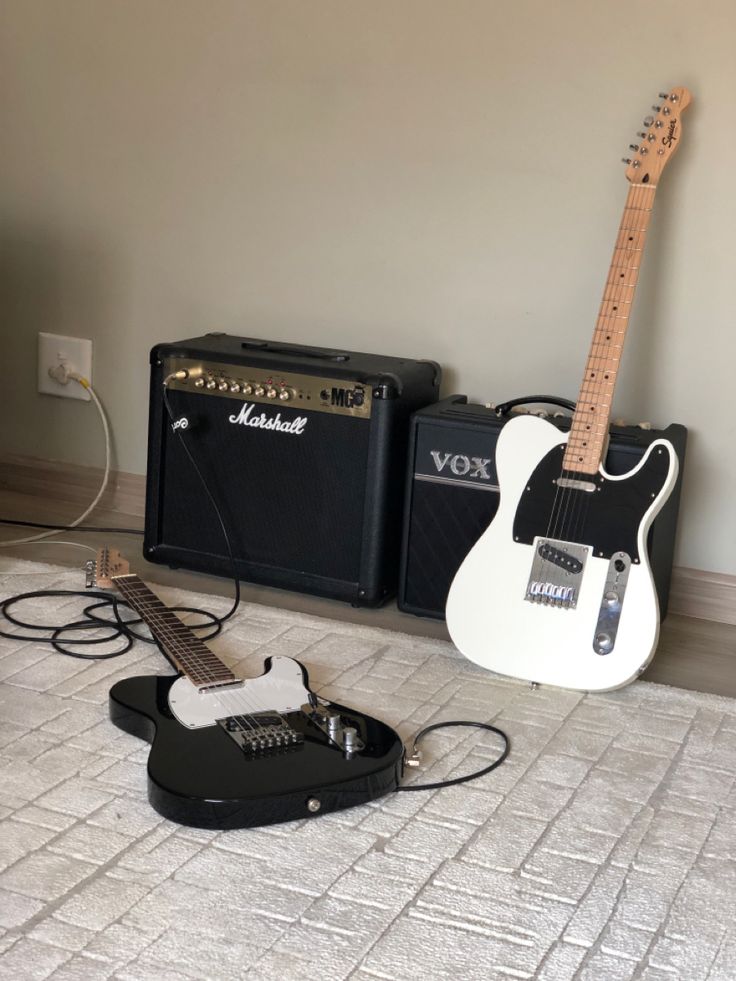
{"x": 284, "y": 394}
{"x": 247, "y": 389}
{"x": 235, "y": 387}
{"x": 199, "y": 383}
{"x": 211, "y": 384}
{"x": 223, "y": 386}
{"x": 259, "y": 390}
{"x": 271, "y": 393}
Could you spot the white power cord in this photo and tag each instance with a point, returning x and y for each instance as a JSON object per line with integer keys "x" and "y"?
{"x": 72, "y": 375}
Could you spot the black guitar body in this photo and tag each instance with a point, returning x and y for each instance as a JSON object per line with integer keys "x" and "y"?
{"x": 201, "y": 777}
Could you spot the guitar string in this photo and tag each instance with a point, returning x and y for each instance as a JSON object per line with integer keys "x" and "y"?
{"x": 229, "y": 702}
{"x": 570, "y": 509}
{"x": 574, "y": 505}
{"x": 241, "y": 704}
{"x": 637, "y": 212}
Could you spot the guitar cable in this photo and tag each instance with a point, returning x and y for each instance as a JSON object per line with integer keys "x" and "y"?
{"x": 123, "y": 629}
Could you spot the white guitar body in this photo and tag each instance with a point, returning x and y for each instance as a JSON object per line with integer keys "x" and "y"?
{"x": 490, "y": 616}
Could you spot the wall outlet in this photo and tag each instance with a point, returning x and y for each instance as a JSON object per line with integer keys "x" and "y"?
{"x": 62, "y": 354}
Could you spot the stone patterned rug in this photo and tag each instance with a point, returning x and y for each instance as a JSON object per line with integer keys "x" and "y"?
{"x": 604, "y": 848}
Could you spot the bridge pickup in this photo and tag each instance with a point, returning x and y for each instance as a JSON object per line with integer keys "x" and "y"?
{"x": 556, "y": 573}
{"x": 261, "y": 733}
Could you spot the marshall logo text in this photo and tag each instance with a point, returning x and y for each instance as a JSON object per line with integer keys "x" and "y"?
{"x": 295, "y": 427}
{"x": 460, "y": 465}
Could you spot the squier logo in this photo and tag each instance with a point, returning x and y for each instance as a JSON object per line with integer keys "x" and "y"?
{"x": 670, "y": 138}
{"x": 245, "y": 417}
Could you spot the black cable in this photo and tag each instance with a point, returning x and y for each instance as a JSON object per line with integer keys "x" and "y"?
{"x": 213, "y": 502}
{"x": 116, "y": 628}
{"x": 470, "y": 776}
{"x": 38, "y": 524}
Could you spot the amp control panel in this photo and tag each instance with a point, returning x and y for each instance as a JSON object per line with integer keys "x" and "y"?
{"x": 248, "y": 384}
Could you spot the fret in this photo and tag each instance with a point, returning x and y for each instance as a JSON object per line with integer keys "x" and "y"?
{"x": 189, "y": 653}
{"x": 589, "y": 429}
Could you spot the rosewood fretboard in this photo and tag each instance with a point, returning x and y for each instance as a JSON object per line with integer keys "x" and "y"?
{"x": 188, "y": 653}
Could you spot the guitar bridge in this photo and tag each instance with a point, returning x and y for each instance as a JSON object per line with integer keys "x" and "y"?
{"x": 556, "y": 573}
{"x": 261, "y": 733}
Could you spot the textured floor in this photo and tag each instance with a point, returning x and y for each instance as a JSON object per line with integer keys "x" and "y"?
{"x": 604, "y": 848}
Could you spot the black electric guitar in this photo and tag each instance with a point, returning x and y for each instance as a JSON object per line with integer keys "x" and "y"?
{"x": 231, "y": 753}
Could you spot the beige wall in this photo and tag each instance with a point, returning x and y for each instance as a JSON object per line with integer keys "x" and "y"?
{"x": 431, "y": 179}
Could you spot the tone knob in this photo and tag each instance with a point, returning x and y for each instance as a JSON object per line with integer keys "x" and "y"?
{"x": 199, "y": 383}
{"x": 259, "y": 390}
{"x": 271, "y": 393}
{"x": 334, "y": 723}
{"x": 211, "y": 384}
{"x": 349, "y": 739}
{"x": 247, "y": 389}
{"x": 223, "y": 386}
{"x": 611, "y": 598}
{"x": 235, "y": 387}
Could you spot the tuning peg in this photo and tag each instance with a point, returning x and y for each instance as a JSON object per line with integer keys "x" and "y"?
{"x": 633, "y": 146}
{"x": 656, "y": 108}
{"x": 626, "y": 160}
{"x": 642, "y": 135}
{"x": 648, "y": 121}
{"x": 664, "y": 95}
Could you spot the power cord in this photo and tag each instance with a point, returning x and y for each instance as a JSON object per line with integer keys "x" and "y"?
{"x": 74, "y": 376}
{"x": 116, "y": 627}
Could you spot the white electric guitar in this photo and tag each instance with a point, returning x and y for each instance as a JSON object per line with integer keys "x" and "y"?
{"x": 559, "y": 589}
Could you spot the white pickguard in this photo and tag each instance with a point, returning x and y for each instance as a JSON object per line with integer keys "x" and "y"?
{"x": 490, "y": 621}
{"x": 280, "y": 690}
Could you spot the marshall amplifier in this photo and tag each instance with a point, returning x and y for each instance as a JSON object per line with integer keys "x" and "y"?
{"x": 304, "y": 450}
{"x": 453, "y": 493}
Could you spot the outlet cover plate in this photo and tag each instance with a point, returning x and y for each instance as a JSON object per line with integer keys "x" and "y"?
{"x": 75, "y": 353}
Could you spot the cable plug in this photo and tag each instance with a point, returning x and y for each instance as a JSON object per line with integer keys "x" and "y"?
{"x": 414, "y": 758}
{"x": 60, "y": 373}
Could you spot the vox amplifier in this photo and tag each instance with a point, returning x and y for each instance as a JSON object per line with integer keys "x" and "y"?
{"x": 304, "y": 450}
{"x": 452, "y": 494}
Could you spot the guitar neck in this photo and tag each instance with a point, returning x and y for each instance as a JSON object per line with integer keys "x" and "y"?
{"x": 187, "y": 652}
{"x": 589, "y": 432}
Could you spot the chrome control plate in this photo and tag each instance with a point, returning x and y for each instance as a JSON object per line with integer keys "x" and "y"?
{"x": 609, "y": 615}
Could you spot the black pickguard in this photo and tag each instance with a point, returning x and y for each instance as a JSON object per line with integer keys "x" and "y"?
{"x": 606, "y": 519}
{"x": 200, "y": 777}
